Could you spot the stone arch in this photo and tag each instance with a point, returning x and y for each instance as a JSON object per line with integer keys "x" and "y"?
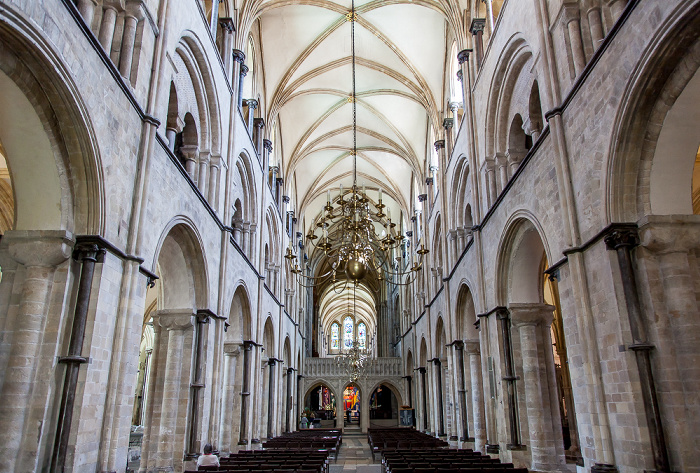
{"x": 269, "y": 337}
{"x": 459, "y": 189}
{"x": 466, "y": 314}
{"x": 409, "y": 363}
{"x": 190, "y": 51}
{"x": 440, "y": 338}
{"x": 521, "y": 255}
{"x": 50, "y": 146}
{"x": 180, "y": 263}
{"x": 633, "y": 185}
{"x": 239, "y": 318}
{"x": 423, "y": 354}
{"x": 506, "y": 82}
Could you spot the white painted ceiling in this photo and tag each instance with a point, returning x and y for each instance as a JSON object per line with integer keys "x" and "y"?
{"x": 306, "y": 54}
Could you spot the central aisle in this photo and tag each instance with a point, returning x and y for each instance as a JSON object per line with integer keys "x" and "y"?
{"x": 355, "y": 455}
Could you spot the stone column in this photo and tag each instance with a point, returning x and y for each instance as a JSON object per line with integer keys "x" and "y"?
{"x": 502, "y": 178}
{"x": 245, "y": 392}
{"x": 174, "y": 325}
{"x": 231, "y": 352}
{"x": 439, "y": 393}
{"x": 87, "y": 254}
{"x": 213, "y": 188}
{"x": 452, "y": 243}
{"x": 227, "y": 30}
{"x": 454, "y": 107}
{"x": 126, "y": 56}
{"x": 673, "y": 241}
{"x": 424, "y": 396}
{"x": 214, "y": 17}
{"x": 489, "y": 169}
{"x": 246, "y": 239}
{"x": 109, "y": 21}
{"x": 202, "y": 174}
{"x": 463, "y": 73}
{"x": 477, "y": 29}
{"x": 243, "y": 72}
{"x": 514, "y": 157}
{"x": 40, "y": 252}
{"x": 596, "y": 25}
{"x": 622, "y": 241}
{"x": 478, "y": 417}
{"x": 288, "y": 401}
{"x": 573, "y": 26}
{"x": 252, "y": 105}
{"x": 510, "y": 379}
{"x": 197, "y": 384}
{"x": 267, "y": 147}
{"x": 87, "y": 11}
{"x": 238, "y": 58}
{"x": 458, "y": 346}
{"x": 271, "y": 398}
{"x": 448, "y": 125}
{"x": 532, "y": 321}
{"x": 258, "y": 135}
{"x": 189, "y": 154}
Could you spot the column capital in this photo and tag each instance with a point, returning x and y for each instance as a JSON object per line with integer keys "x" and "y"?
{"x": 175, "y": 319}
{"x": 251, "y": 103}
{"x": 457, "y": 344}
{"x": 454, "y": 106}
{"x": 569, "y": 12}
{"x": 531, "y": 314}
{"x": 463, "y": 56}
{"x": 45, "y": 248}
{"x": 227, "y": 25}
{"x": 448, "y": 123}
{"x": 267, "y": 144}
{"x": 244, "y": 70}
{"x": 238, "y": 56}
{"x": 669, "y": 233}
{"x": 259, "y": 123}
{"x": 439, "y": 144}
{"x": 232, "y": 348}
{"x": 477, "y": 25}
{"x": 622, "y": 237}
{"x": 472, "y": 347}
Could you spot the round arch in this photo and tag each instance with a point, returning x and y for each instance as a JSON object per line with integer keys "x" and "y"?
{"x": 643, "y": 154}
{"x": 521, "y": 253}
{"x": 180, "y": 263}
{"x": 54, "y": 163}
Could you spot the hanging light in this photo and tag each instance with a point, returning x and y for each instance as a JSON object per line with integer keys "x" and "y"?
{"x": 353, "y": 231}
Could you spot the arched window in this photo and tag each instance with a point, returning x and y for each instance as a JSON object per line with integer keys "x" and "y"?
{"x": 348, "y": 332}
{"x": 335, "y": 336}
{"x": 362, "y": 335}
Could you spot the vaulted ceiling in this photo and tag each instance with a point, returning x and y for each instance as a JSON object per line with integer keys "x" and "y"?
{"x": 401, "y": 52}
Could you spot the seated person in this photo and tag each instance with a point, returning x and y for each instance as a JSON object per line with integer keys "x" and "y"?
{"x": 208, "y": 459}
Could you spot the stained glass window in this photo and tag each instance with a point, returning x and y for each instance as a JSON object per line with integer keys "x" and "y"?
{"x": 335, "y": 336}
{"x": 362, "y": 335}
{"x": 347, "y": 332}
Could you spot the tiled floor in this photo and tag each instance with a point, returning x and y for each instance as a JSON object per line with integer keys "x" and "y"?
{"x": 355, "y": 456}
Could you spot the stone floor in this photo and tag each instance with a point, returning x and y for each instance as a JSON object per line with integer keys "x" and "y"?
{"x": 355, "y": 456}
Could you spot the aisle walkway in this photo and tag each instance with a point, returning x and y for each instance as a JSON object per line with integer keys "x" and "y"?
{"x": 355, "y": 456}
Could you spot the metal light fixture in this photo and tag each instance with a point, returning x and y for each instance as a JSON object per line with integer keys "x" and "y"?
{"x": 353, "y": 231}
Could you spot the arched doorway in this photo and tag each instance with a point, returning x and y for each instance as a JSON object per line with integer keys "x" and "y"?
{"x": 321, "y": 402}
{"x": 351, "y": 406}
{"x": 383, "y": 407}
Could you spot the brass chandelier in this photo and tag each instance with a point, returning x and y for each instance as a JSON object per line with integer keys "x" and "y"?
{"x": 353, "y": 231}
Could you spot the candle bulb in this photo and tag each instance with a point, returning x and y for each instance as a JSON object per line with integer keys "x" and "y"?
{"x": 380, "y": 195}
{"x": 388, "y": 213}
{"x": 328, "y": 196}
{"x": 341, "y": 191}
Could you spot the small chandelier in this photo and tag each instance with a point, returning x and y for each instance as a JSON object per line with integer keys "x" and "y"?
{"x": 353, "y": 231}
{"x": 355, "y": 362}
